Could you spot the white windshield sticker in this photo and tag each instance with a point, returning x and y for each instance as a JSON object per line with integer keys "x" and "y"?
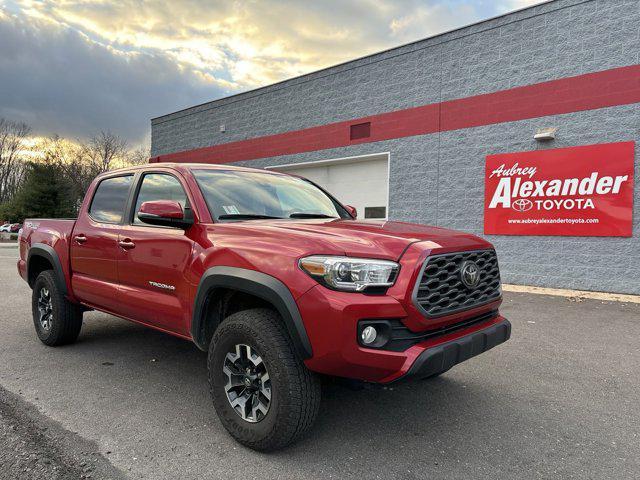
{"x": 231, "y": 209}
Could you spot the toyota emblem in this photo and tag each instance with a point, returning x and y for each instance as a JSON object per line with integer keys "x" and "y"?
{"x": 470, "y": 274}
{"x": 522, "y": 205}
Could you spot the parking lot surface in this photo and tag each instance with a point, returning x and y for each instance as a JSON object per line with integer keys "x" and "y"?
{"x": 559, "y": 400}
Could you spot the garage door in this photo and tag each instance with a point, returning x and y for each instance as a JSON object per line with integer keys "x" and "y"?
{"x": 362, "y": 182}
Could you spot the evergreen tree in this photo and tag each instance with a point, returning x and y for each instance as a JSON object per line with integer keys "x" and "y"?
{"x": 45, "y": 193}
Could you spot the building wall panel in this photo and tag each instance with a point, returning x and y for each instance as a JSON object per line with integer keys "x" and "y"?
{"x": 436, "y": 176}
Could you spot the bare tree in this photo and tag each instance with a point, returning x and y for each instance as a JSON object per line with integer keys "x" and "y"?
{"x": 12, "y": 147}
{"x": 81, "y": 161}
{"x": 71, "y": 158}
{"x": 139, "y": 156}
{"x": 78, "y": 162}
{"x": 105, "y": 151}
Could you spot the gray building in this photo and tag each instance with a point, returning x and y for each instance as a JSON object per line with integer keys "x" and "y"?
{"x": 404, "y": 134}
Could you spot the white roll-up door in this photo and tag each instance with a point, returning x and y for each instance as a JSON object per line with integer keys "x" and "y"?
{"x": 362, "y": 182}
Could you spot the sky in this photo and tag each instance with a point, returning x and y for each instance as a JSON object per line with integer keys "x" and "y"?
{"x": 76, "y": 67}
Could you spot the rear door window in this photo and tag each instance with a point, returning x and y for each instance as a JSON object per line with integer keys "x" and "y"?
{"x": 110, "y": 199}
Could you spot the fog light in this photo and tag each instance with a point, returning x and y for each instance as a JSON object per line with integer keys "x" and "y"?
{"x": 369, "y": 335}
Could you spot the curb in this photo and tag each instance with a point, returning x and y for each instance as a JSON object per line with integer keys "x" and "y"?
{"x": 559, "y": 292}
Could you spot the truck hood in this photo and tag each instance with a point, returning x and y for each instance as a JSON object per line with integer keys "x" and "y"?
{"x": 369, "y": 238}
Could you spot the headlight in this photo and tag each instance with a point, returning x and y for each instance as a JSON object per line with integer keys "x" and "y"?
{"x": 350, "y": 274}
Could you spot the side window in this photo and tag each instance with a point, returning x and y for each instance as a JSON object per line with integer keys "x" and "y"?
{"x": 159, "y": 186}
{"x": 110, "y": 199}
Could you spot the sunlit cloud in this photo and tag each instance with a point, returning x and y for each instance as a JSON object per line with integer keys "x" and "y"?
{"x": 97, "y": 64}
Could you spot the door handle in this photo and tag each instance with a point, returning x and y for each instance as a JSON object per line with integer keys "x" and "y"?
{"x": 126, "y": 244}
{"x": 80, "y": 238}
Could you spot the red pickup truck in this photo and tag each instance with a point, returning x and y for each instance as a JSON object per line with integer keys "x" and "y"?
{"x": 270, "y": 275}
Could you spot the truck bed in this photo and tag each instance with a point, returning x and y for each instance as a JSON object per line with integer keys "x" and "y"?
{"x": 46, "y": 233}
{"x": 40, "y": 229}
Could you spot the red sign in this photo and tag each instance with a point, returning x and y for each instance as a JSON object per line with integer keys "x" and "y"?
{"x": 581, "y": 191}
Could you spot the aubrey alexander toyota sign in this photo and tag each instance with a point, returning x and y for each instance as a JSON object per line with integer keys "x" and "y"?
{"x": 581, "y": 191}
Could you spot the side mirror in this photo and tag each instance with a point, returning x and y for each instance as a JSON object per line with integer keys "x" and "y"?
{"x": 164, "y": 213}
{"x": 352, "y": 211}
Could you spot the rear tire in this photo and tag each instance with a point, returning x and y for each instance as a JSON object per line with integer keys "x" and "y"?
{"x": 57, "y": 320}
{"x": 251, "y": 346}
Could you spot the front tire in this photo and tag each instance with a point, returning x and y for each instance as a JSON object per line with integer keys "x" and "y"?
{"x": 57, "y": 321}
{"x": 262, "y": 392}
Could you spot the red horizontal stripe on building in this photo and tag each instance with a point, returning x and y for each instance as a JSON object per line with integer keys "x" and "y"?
{"x": 618, "y": 86}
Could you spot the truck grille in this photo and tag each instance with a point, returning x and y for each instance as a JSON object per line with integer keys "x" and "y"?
{"x": 440, "y": 290}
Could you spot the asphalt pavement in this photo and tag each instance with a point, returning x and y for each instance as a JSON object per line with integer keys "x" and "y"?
{"x": 559, "y": 400}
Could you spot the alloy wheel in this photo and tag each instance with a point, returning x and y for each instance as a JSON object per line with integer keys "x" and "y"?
{"x": 45, "y": 309}
{"x": 248, "y": 385}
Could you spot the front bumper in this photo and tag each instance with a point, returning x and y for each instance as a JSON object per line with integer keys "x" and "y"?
{"x": 331, "y": 319}
{"x": 444, "y": 356}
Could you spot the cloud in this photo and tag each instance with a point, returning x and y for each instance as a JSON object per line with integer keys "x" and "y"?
{"x": 510, "y": 5}
{"x": 59, "y": 81}
{"x": 249, "y": 43}
{"x": 77, "y": 66}
{"x": 432, "y": 18}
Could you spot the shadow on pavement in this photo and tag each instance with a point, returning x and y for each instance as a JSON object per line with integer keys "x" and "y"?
{"x": 421, "y": 421}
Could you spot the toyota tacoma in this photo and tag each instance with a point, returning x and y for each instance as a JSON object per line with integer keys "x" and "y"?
{"x": 273, "y": 277}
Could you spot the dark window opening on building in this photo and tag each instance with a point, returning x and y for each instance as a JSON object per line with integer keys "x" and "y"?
{"x": 375, "y": 212}
{"x": 360, "y": 130}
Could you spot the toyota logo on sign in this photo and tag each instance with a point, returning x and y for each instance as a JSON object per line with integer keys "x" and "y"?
{"x": 522, "y": 205}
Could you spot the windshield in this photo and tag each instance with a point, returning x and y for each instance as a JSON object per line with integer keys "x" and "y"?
{"x": 244, "y": 195}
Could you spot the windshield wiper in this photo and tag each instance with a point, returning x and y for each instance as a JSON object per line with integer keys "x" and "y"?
{"x": 245, "y": 216}
{"x": 310, "y": 215}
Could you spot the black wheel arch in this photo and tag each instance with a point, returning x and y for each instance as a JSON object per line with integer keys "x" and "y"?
{"x": 255, "y": 283}
{"x": 39, "y": 253}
